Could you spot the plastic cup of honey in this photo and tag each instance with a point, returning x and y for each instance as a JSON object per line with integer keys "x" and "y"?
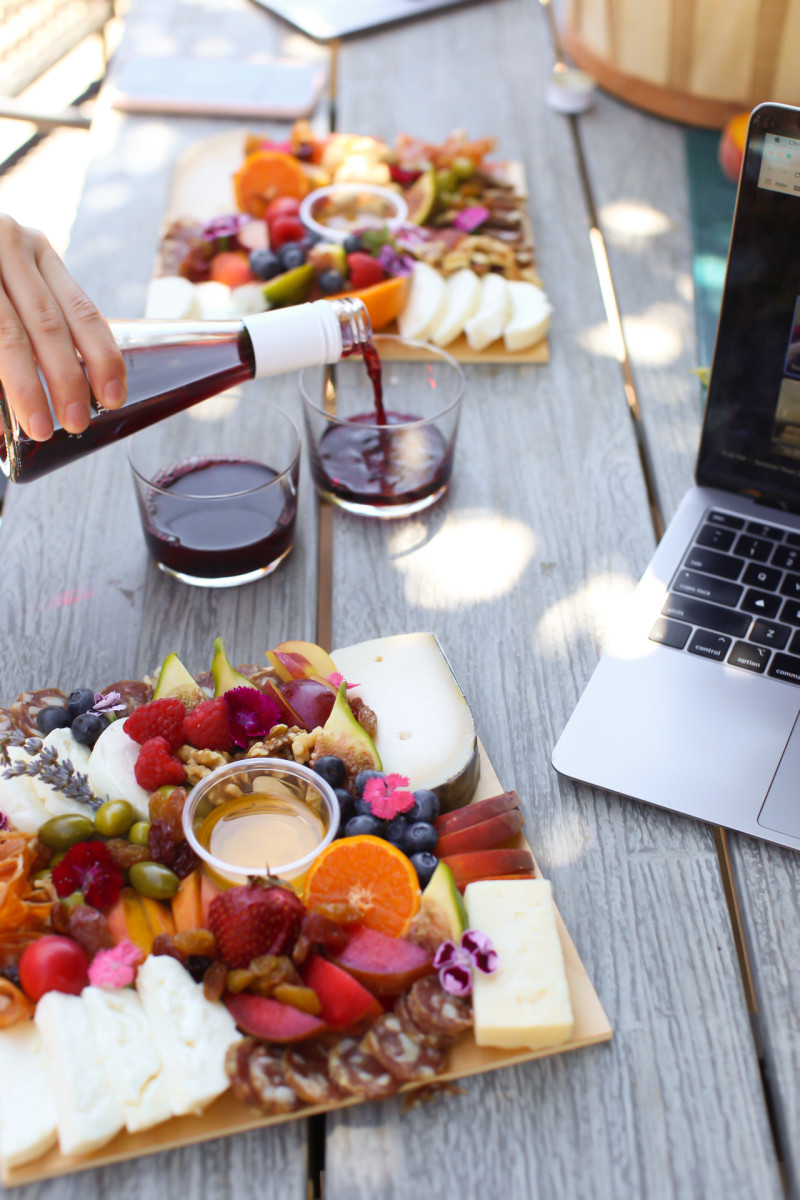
{"x": 260, "y": 816}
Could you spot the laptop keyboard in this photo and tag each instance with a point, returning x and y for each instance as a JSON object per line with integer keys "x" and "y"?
{"x": 736, "y": 597}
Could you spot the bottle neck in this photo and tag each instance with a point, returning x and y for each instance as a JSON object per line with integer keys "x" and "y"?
{"x": 308, "y": 335}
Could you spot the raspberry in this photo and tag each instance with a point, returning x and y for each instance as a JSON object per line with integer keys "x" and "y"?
{"x": 160, "y": 718}
{"x": 364, "y": 270}
{"x": 206, "y": 726}
{"x": 155, "y": 766}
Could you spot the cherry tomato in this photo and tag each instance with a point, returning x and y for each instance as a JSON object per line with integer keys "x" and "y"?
{"x": 282, "y": 206}
{"x": 285, "y": 229}
{"x": 53, "y": 964}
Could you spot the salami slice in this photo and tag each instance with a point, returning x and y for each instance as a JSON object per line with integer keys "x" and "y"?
{"x": 132, "y": 693}
{"x": 359, "y": 1073}
{"x": 413, "y": 1030}
{"x": 27, "y": 705}
{"x": 434, "y": 1010}
{"x": 306, "y": 1070}
{"x": 272, "y": 1092}
{"x": 6, "y": 720}
{"x": 237, "y": 1068}
{"x": 406, "y": 1059}
{"x": 205, "y": 680}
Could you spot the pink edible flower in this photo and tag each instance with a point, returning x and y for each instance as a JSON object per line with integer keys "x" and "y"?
{"x": 470, "y": 218}
{"x": 251, "y": 714}
{"x": 337, "y": 679}
{"x": 455, "y": 964}
{"x": 115, "y": 967}
{"x": 388, "y": 795}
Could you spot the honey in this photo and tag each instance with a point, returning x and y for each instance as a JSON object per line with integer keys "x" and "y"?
{"x": 263, "y": 830}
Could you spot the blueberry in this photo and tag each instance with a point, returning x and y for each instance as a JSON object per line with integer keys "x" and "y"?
{"x": 265, "y": 264}
{"x": 363, "y": 776}
{"x": 363, "y": 824}
{"x": 87, "y": 728}
{"x": 311, "y": 239}
{"x": 291, "y": 255}
{"x": 362, "y": 807}
{"x": 424, "y": 863}
{"x": 346, "y": 808}
{"x": 421, "y": 836}
{"x": 331, "y": 281}
{"x": 332, "y": 770}
{"x": 79, "y": 701}
{"x": 353, "y": 243}
{"x": 395, "y": 831}
{"x": 52, "y": 717}
{"x": 425, "y": 807}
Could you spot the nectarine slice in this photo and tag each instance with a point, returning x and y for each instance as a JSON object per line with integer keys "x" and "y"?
{"x": 480, "y": 864}
{"x": 484, "y": 836}
{"x": 385, "y": 965}
{"x": 270, "y": 1020}
{"x": 345, "y": 1002}
{"x": 473, "y": 814}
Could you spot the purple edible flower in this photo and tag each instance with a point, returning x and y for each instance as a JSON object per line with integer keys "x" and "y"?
{"x": 251, "y": 714}
{"x": 394, "y": 263}
{"x": 224, "y": 227}
{"x": 411, "y": 236}
{"x": 470, "y": 218}
{"x": 456, "y": 963}
{"x": 109, "y": 703}
{"x": 4, "y": 822}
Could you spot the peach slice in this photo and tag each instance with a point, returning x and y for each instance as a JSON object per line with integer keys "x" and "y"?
{"x": 187, "y": 910}
{"x": 474, "y": 814}
{"x": 483, "y": 836}
{"x": 270, "y": 1020}
{"x": 481, "y": 864}
{"x": 385, "y": 965}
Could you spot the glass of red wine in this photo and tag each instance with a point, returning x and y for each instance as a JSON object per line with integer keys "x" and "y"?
{"x": 217, "y": 494}
{"x": 381, "y": 434}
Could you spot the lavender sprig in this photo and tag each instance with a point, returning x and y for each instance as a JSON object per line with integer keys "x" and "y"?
{"x": 56, "y": 773}
{"x": 15, "y": 737}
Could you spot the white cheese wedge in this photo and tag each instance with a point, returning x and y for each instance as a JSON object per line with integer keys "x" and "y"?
{"x": 488, "y": 323}
{"x": 27, "y": 1107}
{"x": 425, "y": 727}
{"x": 530, "y": 315}
{"x": 19, "y": 799}
{"x": 111, "y": 769}
{"x": 526, "y": 1001}
{"x": 131, "y": 1061}
{"x": 192, "y": 1033}
{"x": 212, "y": 301}
{"x": 463, "y": 301}
{"x": 426, "y": 303}
{"x": 65, "y": 746}
{"x": 88, "y": 1114}
{"x": 169, "y": 297}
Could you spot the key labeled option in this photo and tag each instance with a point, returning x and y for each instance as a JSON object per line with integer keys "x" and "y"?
{"x": 749, "y": 658}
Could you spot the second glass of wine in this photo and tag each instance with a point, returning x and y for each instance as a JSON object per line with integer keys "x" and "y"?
{"x": 218, "y": 496}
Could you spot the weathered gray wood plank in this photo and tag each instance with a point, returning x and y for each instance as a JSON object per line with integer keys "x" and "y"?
{"x": 81, "y": 604}
{"x": 637, "y": 159}
{"x": 545, "y": 526}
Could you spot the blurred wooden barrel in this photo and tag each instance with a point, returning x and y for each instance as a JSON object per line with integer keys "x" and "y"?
{"x": 697, "y": 61}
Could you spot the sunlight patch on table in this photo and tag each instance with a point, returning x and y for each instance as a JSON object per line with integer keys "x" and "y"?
{"x": 632, "y": 223}
{"x": 595, "y": 609}
{"x": 477, "y": 555}
{"x": 657, "y": 336}
{"x": 569, "y": 836}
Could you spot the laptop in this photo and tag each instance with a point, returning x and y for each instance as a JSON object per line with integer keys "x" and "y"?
{"x": 328, "y": 19}
{"x": 694, "y": 704}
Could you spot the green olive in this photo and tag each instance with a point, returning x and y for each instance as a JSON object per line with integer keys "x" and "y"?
{"x": 59, "y": 833}
{"x": 446, "y": 181}
{"x": 463, "y": 167}
{"x": 139, "y": 833}
{"x": 74, "y": 900}
{"x": 154, "y": 880}
{"x": 114, "y": 818}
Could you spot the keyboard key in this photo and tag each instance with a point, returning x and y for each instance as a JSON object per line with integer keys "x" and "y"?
{"x": 718, "y": 591}
{"x": 767, "y": 633}
{"x": 791, "y": 587}
{"x": 785, "y": 668}
{"x": 790, "y": 613}
{"x": 670, "y": 633}
{"x": 786, "y": 557}
{"x": 753, "y": 547}
{"x": 794, "y": 644}
{"x": 721, "y": 518}
{"x": 767, "y": 578}
{"x": 709, "y": 645}
{"x": 761, "y": 604}
{"x": 709, "y": 616}
{"x": 749, "y": 658}
{"x": 793, "y": 539}
{"x": 764, "y": 531}
{"x": 715, "y": 538}
{"x": 714, "y": 563}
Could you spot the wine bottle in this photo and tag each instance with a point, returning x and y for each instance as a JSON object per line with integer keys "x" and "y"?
{"x": 172, "y": 365}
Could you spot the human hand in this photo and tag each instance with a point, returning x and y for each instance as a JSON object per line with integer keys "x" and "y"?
{"x": 44, "y": 318}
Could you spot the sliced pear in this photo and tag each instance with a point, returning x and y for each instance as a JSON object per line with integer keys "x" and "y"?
{"x": 170, "y": 298}
{"x": 488, "y": 323}
{"x": 426, "y": 303}
{"x": 225, "y": 677}
{"x": 463, "y": 301}
{"x": 530, "y": 315}
{"x": 441, "y": 902}
{"x": 175, "y": 680}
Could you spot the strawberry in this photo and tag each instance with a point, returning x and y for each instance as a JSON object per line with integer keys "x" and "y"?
{"x": 261, "y": 917}
{"x": 364, "y": 270}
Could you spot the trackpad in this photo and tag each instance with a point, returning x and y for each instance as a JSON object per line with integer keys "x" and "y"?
{"x": 781, "y": 809}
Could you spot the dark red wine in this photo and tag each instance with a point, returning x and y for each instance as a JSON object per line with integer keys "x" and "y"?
{"x": 372, "y": 361}
{"x": 361, "y": 464}
{"x": 162, "y": 380}
{"x": 247, "y": 527}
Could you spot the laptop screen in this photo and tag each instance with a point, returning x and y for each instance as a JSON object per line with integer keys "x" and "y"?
{"x": 751, "y": 431}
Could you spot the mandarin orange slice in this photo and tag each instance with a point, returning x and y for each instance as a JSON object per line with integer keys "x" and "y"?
{"x": 383, "y": 301}
{"x": 265, "y": 175}
{"x": 371, "y": 877}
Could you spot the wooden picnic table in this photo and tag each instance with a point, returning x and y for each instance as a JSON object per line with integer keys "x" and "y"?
{"x": 691, "y": 938}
